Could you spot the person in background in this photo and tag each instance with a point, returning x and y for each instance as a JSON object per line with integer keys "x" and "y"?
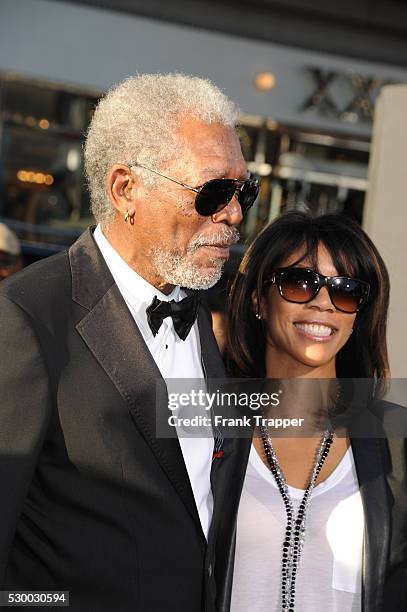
{"x": 10, "y": 252}
{"x": 322, "y": 519}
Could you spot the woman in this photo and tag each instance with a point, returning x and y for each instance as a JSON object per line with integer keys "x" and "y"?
{"x": 322, "y": 522}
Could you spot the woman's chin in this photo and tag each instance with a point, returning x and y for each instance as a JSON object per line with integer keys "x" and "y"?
{"x": 316, "y": 359}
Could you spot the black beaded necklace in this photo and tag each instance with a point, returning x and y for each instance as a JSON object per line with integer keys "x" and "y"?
{"x": 295, "y": 530}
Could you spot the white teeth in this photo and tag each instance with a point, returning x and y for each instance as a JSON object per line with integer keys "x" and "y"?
{"x": 315, "y": 330}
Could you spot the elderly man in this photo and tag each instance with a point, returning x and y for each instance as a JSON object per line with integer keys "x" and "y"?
{"x": 93, "y": 501}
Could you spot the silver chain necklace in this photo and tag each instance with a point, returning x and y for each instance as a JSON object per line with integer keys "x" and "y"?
{"x": 295, "y": 530}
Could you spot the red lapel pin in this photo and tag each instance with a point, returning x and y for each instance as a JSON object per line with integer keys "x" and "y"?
{"x": 218, "y": 454}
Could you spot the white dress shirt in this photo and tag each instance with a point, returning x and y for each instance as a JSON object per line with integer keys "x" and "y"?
{"x": 175, "y": 358}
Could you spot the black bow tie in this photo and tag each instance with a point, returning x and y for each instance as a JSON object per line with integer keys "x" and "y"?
{"x": 183, "y": 314}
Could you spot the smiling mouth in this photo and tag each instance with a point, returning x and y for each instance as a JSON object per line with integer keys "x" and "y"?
{"x": 316, "y": 330}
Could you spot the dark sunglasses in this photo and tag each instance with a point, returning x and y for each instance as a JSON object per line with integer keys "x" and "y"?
{"x": 214, "y": 195}
{"x": 301, "y": 285}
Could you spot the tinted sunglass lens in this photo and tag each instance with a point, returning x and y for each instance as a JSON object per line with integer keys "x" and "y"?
{"x": 298, "y": 285}
{"x": 347, "y": 294}
{"x": 214, "y": 195}
{"x": 248, "y": 194}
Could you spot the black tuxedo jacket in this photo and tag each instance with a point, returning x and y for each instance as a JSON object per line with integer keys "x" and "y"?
{"x": 381, "y": 468}
{"x": 92, "y": 502}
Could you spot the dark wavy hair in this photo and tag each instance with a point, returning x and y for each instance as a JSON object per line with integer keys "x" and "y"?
{"x": 353, "y": 254}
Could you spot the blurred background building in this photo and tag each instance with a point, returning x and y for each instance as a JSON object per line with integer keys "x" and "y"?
{"x": 305, "y": 73}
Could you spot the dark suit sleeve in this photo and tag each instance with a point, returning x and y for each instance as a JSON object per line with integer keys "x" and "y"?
{"x": 24, "y": 411}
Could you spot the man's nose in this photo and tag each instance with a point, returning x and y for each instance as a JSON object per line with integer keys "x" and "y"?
{"x": 231, "y": 214}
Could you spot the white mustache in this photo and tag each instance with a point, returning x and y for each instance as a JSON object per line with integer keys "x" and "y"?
{"x": 226, "y": 237}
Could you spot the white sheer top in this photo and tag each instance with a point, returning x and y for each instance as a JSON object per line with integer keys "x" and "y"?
{"x": 329, "y": 577}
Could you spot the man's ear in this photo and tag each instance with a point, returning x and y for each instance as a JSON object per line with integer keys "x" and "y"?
{"x": 120, "y": 183}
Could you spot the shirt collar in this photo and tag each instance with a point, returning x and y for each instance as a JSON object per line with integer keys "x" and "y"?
{"x": 138, "y": 292}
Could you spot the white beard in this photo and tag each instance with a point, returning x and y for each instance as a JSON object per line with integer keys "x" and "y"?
{"x": 176, "y": 269}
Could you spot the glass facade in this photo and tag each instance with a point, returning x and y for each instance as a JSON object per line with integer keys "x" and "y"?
{"x": 43, "y": 194}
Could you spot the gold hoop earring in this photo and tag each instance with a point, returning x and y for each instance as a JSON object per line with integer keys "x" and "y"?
{"x": 129, "y": 215}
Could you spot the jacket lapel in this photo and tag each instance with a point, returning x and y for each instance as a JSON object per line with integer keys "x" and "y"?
{"x": 228, "y": 465}
{"x": 370, "y": 461}
{"x": 212, "y": 361}
{"x": 114, "y": 339}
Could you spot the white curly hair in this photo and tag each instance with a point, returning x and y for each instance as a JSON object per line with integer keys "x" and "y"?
{"x": 136, "y": 121}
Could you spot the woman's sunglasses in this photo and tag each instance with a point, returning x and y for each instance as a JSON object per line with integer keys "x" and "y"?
{"x": 301, "y": 285}
{"x": 214, "y": 195}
